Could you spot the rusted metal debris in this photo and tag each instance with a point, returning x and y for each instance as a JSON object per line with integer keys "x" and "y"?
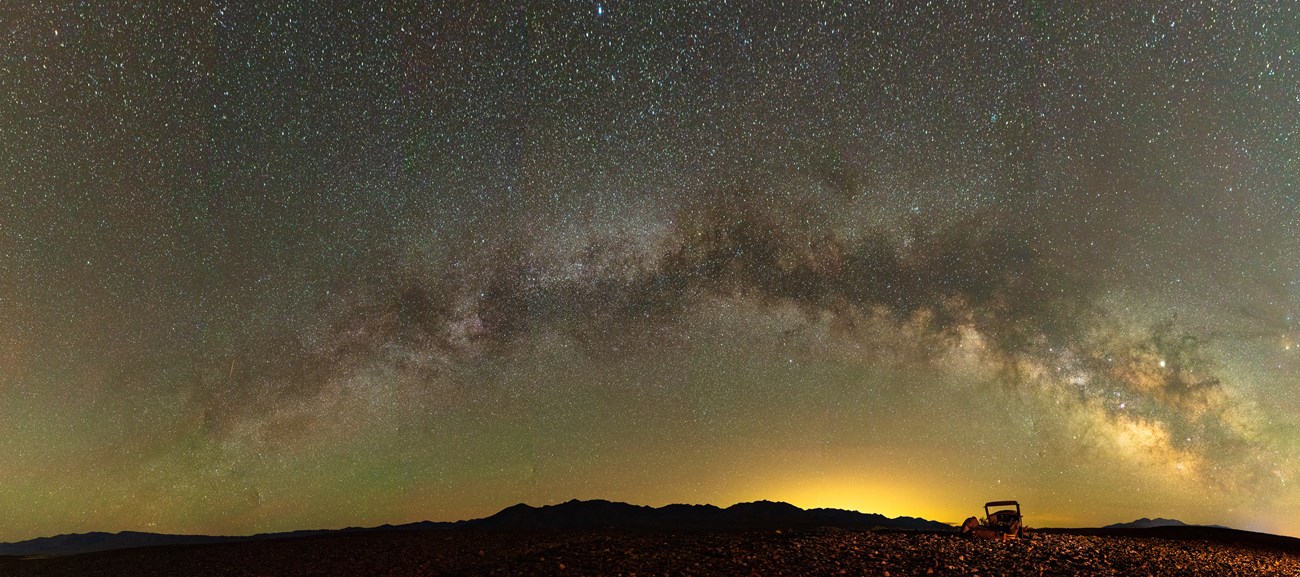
{"x": 999, "y": 524}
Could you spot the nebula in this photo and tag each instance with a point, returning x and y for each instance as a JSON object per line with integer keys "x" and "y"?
{"x": 304, "y": 266}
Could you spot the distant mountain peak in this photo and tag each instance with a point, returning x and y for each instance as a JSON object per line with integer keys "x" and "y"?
{"x": 569, "y": 515}
{"x": 1145, "y": 523}
{"x": 756, "y": 515}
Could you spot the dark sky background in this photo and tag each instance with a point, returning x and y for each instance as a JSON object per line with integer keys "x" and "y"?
{"x": 270, "y": 266}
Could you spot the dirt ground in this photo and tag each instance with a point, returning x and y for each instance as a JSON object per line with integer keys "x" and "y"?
{"x": 828, "y": 552}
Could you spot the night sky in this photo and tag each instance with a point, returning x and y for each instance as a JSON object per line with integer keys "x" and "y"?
{"x": 272, "y": 266}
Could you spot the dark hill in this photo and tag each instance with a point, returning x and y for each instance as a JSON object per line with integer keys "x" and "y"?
{"x": 596, "y": 514}
{"x": 1145, "y": 523}
{"x": 742, "y": 516}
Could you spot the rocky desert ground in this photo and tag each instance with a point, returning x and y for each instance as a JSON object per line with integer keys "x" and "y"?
{"x": 613, "y": 553}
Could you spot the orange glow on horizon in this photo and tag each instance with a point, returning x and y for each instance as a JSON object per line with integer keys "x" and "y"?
{"x": 888, "y": 497}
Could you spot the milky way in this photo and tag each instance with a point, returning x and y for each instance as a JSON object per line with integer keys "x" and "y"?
{"x": 315, "y": 265}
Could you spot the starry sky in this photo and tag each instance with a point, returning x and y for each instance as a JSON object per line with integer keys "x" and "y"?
{"x": 285, "y": 265}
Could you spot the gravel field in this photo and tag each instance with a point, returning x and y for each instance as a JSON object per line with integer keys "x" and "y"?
{"x": 831, "y": 552}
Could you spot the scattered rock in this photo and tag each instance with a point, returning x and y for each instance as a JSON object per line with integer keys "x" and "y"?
{"x": 411, "y": 553}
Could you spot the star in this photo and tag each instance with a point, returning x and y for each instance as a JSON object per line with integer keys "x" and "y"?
{"x": 443, "y": 260}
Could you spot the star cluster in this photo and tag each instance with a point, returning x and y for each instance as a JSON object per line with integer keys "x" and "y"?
{"x": 318, "y": 264}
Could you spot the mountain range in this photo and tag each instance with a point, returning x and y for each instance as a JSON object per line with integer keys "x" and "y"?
{"x": 1145, "y": 523}
{"x": 594, "y": 514}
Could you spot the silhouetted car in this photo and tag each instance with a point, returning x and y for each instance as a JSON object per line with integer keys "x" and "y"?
{"x": 1004, "y": 523}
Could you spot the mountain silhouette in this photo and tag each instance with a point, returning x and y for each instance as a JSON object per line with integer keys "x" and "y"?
{"x": 575, "y": 514}
{"x": 1145, "y": 523}
{"x": 758, "y": 515}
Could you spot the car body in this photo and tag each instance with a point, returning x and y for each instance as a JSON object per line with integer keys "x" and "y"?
{"x": 997, "y": 523}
